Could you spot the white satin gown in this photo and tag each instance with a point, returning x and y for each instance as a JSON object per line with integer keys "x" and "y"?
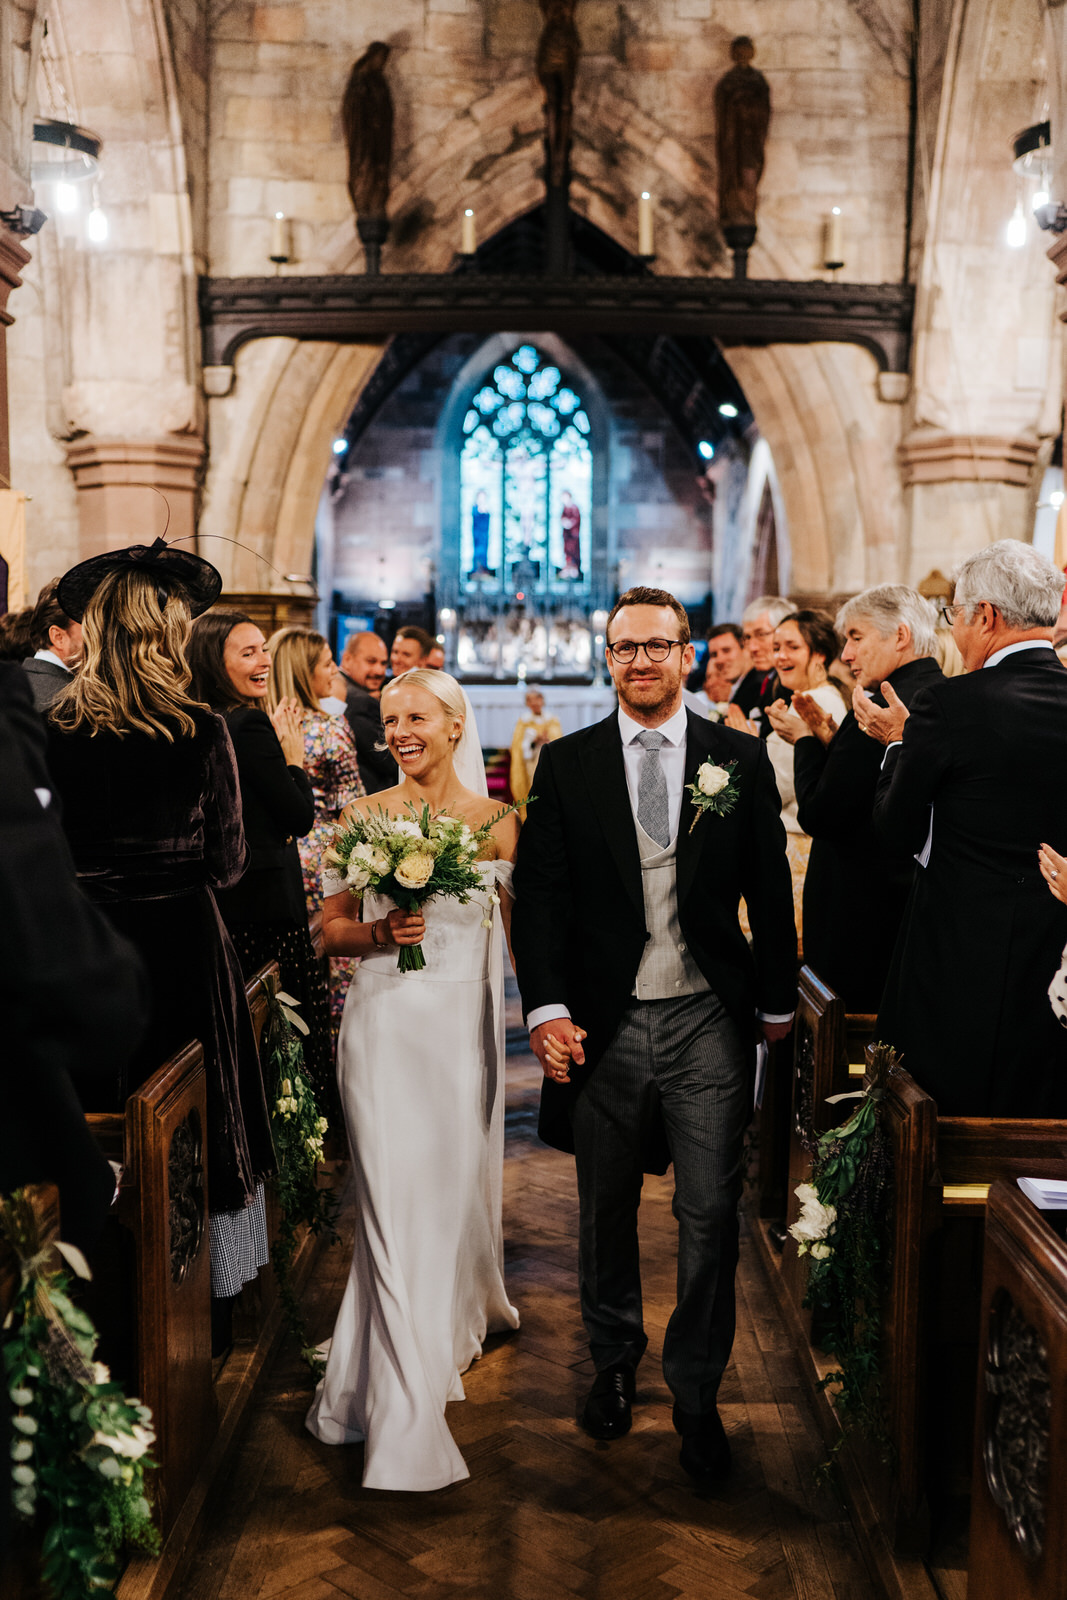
{"x": 421, "y": 1074}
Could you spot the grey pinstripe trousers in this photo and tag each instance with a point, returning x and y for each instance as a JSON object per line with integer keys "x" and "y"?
{"x": 683, "y": 1060}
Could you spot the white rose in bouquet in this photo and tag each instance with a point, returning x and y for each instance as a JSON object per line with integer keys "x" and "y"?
{"x": 415, "y": 871}
{"x": 376, "y": 860}
{"x": 357, "y": 877}
{"x": 403, "y": 825}
{"x": 712, "y": 780}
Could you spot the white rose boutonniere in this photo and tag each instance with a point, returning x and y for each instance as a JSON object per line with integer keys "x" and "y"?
{"x": 714, "y": 790}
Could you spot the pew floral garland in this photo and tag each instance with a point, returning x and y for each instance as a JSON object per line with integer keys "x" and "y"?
{"x": 843, "y": 1230}
{"x": 79, "y": 1446}
{"x": 299, "y": 1130}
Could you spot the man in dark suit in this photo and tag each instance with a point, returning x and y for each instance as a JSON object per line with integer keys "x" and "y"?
{"x": 889, "y": 634}
{"x": 973, "y": 782}
{"x": 363, "y": 666}
{"x": 57, "y": 641}
{"x": 633, "y": 969}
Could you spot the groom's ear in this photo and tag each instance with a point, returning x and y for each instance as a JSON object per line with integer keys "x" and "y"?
{"x": 689, "y": 655}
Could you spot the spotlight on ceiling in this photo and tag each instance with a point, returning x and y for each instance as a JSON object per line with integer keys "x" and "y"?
{"x": 706, "y": 449}
{"x": 727, "y": 410}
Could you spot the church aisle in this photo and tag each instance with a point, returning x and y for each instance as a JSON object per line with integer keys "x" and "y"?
{"x": 547, "y": 1511}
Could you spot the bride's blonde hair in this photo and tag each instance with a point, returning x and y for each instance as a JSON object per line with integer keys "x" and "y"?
{"x": 444, "y": 688}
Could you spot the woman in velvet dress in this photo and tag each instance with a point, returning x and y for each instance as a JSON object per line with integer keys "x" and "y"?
{"x": 302, "y": 669}
{"x": 265, "y": 913}
{"x": 148, "y": 787}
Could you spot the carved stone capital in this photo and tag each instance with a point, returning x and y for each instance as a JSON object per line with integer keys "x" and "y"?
{"x": 117, "y": 480}
{"x": 929, "y": 455}
{"x": 12, "y": 260}
{"x": 1057, "y": 254}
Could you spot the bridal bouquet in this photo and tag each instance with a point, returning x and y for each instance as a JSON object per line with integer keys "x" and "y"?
{"x": 411, "y": 859}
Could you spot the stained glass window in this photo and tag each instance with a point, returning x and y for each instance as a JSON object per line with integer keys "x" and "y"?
{"x": 526, "y": 476}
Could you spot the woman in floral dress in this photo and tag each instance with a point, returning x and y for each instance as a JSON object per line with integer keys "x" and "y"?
{"x": 302, "y": 668}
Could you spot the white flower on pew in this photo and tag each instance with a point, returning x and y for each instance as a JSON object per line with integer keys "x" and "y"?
{"x": 815, "y": 1222}
{"x": 132, "y": 1445}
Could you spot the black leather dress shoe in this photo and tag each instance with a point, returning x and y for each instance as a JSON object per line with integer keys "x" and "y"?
{"x": 705, "y": 1453}
{"x": 606, "y": 1413}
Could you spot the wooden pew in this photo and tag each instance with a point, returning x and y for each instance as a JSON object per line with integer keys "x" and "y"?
{"x": 160, "y": 1142}
{"x": 1018, "y": 1548}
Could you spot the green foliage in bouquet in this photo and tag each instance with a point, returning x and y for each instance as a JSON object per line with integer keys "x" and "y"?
{"x": 299, "y": 1129}
{"x": 843, "y": 1229}
{"x": 413, "y": 858}
{"x": 80, "y": 1446}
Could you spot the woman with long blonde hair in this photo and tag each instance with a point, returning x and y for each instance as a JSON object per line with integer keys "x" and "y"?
{"x": 301, "y": 676}
{"x": 151, "y": 807}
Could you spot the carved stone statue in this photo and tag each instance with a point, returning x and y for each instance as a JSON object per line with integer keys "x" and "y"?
{"x": 557, "y": 62}
{"x": 742, "y": 117}
{"x": 367, "y": 119}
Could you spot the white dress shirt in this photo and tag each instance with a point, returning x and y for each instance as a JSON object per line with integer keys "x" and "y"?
{"x": 50, "y": 655}
{"x": 672, "y": 760}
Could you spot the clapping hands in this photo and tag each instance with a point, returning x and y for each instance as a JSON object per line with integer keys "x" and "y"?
{"x": 884, "y": 723}
{"x": 288, "y": 722}
{"x": 787, "y": 724}
{"x": 735, "y": 718}
{"x": 1054, "y": 871}
{"x": 819, "y": 722}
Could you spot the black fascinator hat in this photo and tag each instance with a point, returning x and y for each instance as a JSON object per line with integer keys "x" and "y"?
{"x": 174, "y": 571}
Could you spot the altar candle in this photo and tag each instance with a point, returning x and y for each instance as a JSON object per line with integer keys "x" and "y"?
{"x": 645, "y": 244}
{"x": 469, "y": 239}
{"x": 833, "y": 246}
{"x": 280, "y": 238}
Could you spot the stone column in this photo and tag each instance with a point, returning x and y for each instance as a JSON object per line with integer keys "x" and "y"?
{"x": 117, "y": 480}
{"x": 12, "y": 260}
{"x": 962, "y": 491}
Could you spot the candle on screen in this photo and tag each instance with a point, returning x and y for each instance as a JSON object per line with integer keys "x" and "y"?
{"x": 645, "y": 241}
{"x": 468, "y": 237}
{"x": 833, "y": 239}
{"x": 280, "y": 238}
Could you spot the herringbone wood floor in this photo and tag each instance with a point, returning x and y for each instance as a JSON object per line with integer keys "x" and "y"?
{"x": 547, "y": 1512}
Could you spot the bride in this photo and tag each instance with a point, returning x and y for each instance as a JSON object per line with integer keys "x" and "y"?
{"x": 420, "y": 1067}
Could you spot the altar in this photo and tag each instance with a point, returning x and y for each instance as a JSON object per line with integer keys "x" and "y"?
{"x": 498, "y": 707}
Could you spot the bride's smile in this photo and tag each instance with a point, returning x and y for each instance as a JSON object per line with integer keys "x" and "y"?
{"x": 419, "y": 732}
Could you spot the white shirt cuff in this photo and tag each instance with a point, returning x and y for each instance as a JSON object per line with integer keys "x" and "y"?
{"x": 545, "y": 1014}
{"x": 894, "y": 744}
{"x": 767, "y": 1016}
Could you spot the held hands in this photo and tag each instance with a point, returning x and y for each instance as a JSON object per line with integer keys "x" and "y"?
{"x": 735, "y": 718}
{"x": 1054, "y": 871}
{"x": 556, "y": 1044}
{"x": 886, "y": 724}
{"x": 288, "y": 722}
{"x": 819, "y": 722}
{"x": 773, "y": 1031}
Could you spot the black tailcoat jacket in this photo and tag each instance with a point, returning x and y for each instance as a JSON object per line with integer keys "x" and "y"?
{"x": 578, "y": 927}
{"x": 966, "y": 1003}
{"x": 855, "y": 890}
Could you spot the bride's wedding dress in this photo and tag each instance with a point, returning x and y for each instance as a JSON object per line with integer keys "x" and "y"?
{"x": 421, "y": 1072}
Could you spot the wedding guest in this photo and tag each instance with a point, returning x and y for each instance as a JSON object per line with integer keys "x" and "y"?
{"x": 148, "y": 785}
{"x": 730, "y": 659}
{"x": 57, "y": 644}
{"x": 758, "y": 621}
{"x": 364, "y": 664}
{"x": 973, "y": 783}
{"x": 411, "y": 647}
{"x": 302, "y": 670}
{"x": 889, "y": 635}
{"x": 805, "y": 645}
{"x": 436, "y": 658}
{"x": 88, "y": 1010}
{"x": 532, "y": 732}
{"x": 16, "y": 637}
{"x": 265, "y": 912}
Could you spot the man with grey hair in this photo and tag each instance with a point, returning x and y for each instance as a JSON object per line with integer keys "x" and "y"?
{"x": 889, "y": 638}
{"x": 973, "y": 782}
{"x": 758, "y": 621}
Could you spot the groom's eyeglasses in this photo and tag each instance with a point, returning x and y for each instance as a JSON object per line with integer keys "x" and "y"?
{"x": 626, "y": 650}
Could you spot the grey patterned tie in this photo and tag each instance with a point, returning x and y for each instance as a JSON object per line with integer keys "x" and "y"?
{"x": 652, "y": 789}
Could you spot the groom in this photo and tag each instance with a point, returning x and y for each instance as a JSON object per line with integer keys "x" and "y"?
{"x": 630, "y": 956}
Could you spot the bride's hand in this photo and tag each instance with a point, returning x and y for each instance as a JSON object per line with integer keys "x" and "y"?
{"x": 405, "y": 927}
{"x": 557, "y": 1049}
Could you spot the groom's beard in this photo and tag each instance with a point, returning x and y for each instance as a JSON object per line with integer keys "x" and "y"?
{"x": 648, "y": 692}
